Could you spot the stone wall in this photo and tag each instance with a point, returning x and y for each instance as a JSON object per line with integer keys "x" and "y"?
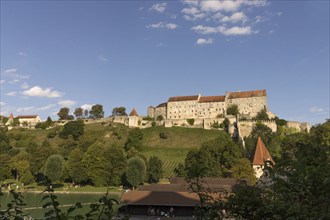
{"x": 245, "y": 126}
{"x": 299, "y": 126}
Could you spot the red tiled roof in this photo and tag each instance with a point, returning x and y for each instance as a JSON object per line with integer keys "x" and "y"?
{"x": 212, "y": 99}
{"x": 11, "y": 116}
{"x": 133, "y": 113}
{"x": 27, "y": 116}
{"x": 261, "y": 154}
{"x": 164, "y": 104}
{"x": 247, "y": 94}
{"x": 182, "y": 98}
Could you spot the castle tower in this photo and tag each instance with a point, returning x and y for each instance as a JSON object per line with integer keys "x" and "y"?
{"x": 261, "y": 155}
{"x": 10, "y": 120}
{"x": 133, "y": 119}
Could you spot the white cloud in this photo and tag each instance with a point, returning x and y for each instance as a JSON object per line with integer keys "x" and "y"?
{"x": 190, "y": 2}
{"x": 2, "y": 81}
{"x": 87, "y": 106}
{"x": 192, "y": 14}
{"x": 2, "y": 104}
{"x": 163, "y": 25}
{"x": 217, "y": 5}
{"x": 66, "y": 103}
{"x": 203, "y": 41}
{"x": 279, "y": 13}
{"x": 234, "y": 18}
{"x": 222, "y": 29}
{"x": 11, "y": 93}
{"x": 25, "y": 85}
{"x": 22, "y": 53}
{"x": 102, "y": 58}
{"x": 316, "y": 110}
{"x": 37, "y": 91}
{"x": 46, "y": 107}
{"x": 173, "y": 17}
{"x": 13, "y": 81}
{"x": 13, "y": 73}
{"x": 158, "y": 7}
{"x": 26, "y": 109}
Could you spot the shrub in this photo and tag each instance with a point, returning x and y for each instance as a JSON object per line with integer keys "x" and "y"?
{"x": 163, "y": 135}
{"x": 191, "y": 121}
{"x": 51, "y": 134}
{"x": 216, "y": 124}
{"x": 153, "y": 124}
{"x": 148, "y": 118}
{"x": 160, "y": 118}
{"x": 233, "y": 110}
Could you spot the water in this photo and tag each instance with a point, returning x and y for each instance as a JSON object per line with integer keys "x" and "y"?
{"x": 34, "y": 203}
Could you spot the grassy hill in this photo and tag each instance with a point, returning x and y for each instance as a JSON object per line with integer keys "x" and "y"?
{"x": 171, "y": 150}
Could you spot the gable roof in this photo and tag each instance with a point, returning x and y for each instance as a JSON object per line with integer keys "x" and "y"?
{"x": 164, "y": 104}
{"x": 261, "y": 154}
{"x": 133, "y": 113}
{"x": 212, "y": 99}
{"x": 247, "y": 94}
{"x": 11, "y": 116}
{"x": 27, "y": 116}
{"x": 183, "y": 98}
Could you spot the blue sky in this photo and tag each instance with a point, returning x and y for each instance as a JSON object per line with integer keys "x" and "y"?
{"x": 138, "y": 53}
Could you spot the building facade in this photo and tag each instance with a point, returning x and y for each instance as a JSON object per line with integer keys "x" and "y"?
{"x": 202, "y": 107}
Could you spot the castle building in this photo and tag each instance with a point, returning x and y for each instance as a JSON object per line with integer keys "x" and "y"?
{"x": 260, "y": 157}
{"x": 28, "y": 120}
{"x": 204, "y": 107}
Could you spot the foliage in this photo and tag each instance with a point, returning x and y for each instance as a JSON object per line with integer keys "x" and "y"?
{"x": 76, "y": 170}
{"x": 180, "y": 170}
{"x": 153, "y": 124}
{"x": 159, "y": 118}
{"x": 72, "y": 128}
{"x": 96, "y": 111}
{"x": 217, "y": 157}
{"x": 243, "y": 170}
{"x": 39, "y": 153}
{"x": 280, "y": 122}
{"x": 4, "y": 166}
{"x": 136, "y": 171}
{"x": 163, "y": 135}
{"x": 191, "y": 121}
{"x": 20, "y": 166}
{"x": 15, "y": 209}
{"x": 262, "y": 115}
{"x": 154, "y": 169}
{"x": 78, "y": 112}
{"x": 63, "y": 114}
{"x": 52, "y": 134}
{"x": 148, "y": 118}
{"x": 54, "y": 167}
{"x": 119, "y": 111}
{"x": 269, "y": 138}
{"x": 233, "y": 110}
{"x": 216, "y": 124}
{"x": 44, "y": 125}
{"x": 115, "y": 166}
{"x": 134, "y": 140}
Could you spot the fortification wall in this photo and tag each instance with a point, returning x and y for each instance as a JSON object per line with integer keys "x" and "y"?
{"x": 299, "y": 126}
{"x": 245, "y": 126}
{"x": 198, "y": 123}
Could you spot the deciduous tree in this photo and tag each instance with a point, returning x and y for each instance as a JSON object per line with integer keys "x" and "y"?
{"x": 119, "y": 111}
{"x": 63, "y": 114}
{"x": 54, "y": 167}
{"x": 78, "y": 112}
{"x": 155, "y": 169}
{"x": 136, "y": 171}
{"x": 97, "y": 111}
{"x": 233, "y": 110}
{"x": 73, "y": 128}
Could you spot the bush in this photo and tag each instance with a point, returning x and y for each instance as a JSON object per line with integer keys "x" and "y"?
{"x": 163, "y": 135}
{"x": 148, "y": 118}
{"x": 160, "y": 118}
{"x": 153, "y": 124}
{"x": 52, "y": 134}
{"x": 233, "y": 110}
{"x": 191, "y": 121}
{"x": 216, "y": 125}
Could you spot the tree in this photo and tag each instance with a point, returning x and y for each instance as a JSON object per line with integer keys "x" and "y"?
{"x": 136, "y": 171}
{"x": 262, "y": 115}
{"x": 63, "y": 113}
{"x": 243, "y": 170}
{"x": 76, "y": 170}
{"x": 233, "y": 110}
{"x": 119, "y": 111}
{"x": 54, "y": 167}
{"x": 78, "y": 112}
{"x": 134, "y": 140}
{"x": 4, "y": 166}
{"x": 154, "y": 170}
{"x": 96, "y": 111}
{"x": 86, "y": 113}
{"x": 39, "y": 155}
{"x": 20, "y": 165}
{"x": 217, "y": 157}
{"x": 115, "y": 166}
{"x": 73, "y": 128}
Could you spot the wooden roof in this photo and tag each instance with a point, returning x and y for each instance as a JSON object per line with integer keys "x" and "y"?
{"x": 247, "y": 94}
{"x": 182, "y": 98}
{"x": 212, "y": 99}
{"x": 27, "y": 116}
{"x": 261, "y": 154}
{"x": 133, "y": 113}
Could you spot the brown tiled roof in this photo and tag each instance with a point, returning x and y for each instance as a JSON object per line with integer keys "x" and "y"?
{"x": 160, "y": 198}
{"x": 133, "y": 113}
{"x": 261, "y": 154}
{"x": 27, "y": 116}
{"x": 212, "y": 99}
{"x": 247, "y": 94}
{"x": 11, "y": 115}
{"x": 165, "y": 188}
{"x": 182, "y": 98}
{"x": 164, "y": 104}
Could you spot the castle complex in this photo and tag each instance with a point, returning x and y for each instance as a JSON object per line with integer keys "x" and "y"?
{"x": 206, "y": 107}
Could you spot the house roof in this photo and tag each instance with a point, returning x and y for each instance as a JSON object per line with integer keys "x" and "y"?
{"x": 133, "y": 113}
{"x": 160, "y": 198}
{"x": 27, "y": 116}
{"x": 247, "y": 94}
{"x": 212, "y": 99}
{"x": 11, "y": 116}
{"x": 164, "y": 104}
{"x": 261, "y": 154}
{"x": 183, "y": 98}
